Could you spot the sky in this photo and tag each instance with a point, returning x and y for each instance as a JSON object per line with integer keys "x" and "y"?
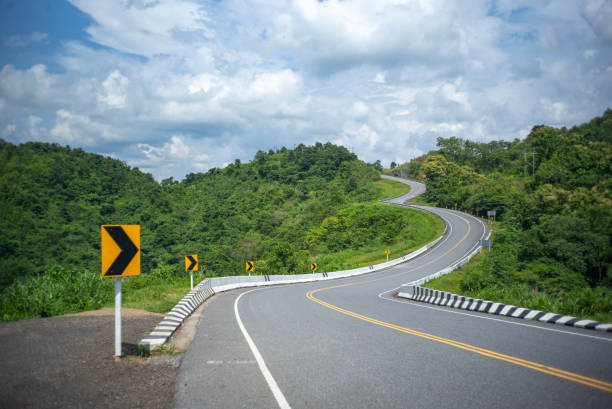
{"x": 180, "y": 86}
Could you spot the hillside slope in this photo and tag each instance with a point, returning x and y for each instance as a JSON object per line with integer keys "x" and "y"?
{"x": 285, "y": 209}
{"x": 552, "y": 193}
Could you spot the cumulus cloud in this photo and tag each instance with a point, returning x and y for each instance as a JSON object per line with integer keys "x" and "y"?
{"x": 146, "y": 28}
{"x": 176, "y": 86}
{"x": 24, "y": 40}
{"x": 114, "y": 87}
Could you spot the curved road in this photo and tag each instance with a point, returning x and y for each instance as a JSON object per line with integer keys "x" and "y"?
{"x": 349, "y": 343}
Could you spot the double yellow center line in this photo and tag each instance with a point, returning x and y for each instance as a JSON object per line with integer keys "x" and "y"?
{"x": 574, "y": 377}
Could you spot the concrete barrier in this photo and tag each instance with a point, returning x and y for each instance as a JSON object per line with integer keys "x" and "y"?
{"x": 446, "y": 299}
{"x": 210, "y": 286}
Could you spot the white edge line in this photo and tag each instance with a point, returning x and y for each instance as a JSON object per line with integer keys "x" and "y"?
{"x": 417, "y": 304}
{"x": 278, "y": 394}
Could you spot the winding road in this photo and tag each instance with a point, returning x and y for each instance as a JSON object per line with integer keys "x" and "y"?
{"x": 349, "y": 343}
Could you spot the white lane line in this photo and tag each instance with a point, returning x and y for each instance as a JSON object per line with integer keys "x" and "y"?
{"x": 416, "y": 304}
{"x": 278, "y": 394}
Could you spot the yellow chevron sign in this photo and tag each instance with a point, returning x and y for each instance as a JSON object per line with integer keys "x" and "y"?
{"x": 191, "y": 262}
{"x": 313, "y": 266}
{"x": 120, "y": 250}
{"x": 250, "y": 266}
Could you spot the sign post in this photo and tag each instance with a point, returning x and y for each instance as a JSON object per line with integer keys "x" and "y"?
{"x": 387, "y": 252}
{"x": 191, "y": 265}
{"x": 491, "y": 214}
{"x": 118, "y": 316}
{"x": 486, "y": 243}
{"x": 120, "y": 257}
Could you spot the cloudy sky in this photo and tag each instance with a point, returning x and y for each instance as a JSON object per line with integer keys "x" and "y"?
{"x": 180, "y": 86}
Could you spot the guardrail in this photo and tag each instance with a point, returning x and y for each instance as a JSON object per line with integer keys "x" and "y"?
{"x": 210, "y": 286}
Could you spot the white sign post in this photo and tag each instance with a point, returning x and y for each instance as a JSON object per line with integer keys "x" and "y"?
{"x": 118, "y": 316}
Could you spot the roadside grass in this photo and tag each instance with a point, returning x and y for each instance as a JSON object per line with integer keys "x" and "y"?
{"x": 556, "y": 293}
{"x": 389, "y": 188}
{"x": 158, "y": 296}
{"x": 428, "y": 226}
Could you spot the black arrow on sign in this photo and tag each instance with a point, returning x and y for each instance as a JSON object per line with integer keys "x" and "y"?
{"x": 128, "y": 250}
{"x": 193, "y": 263}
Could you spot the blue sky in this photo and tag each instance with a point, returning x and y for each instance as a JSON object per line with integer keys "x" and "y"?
{"x": 180, "y": 86}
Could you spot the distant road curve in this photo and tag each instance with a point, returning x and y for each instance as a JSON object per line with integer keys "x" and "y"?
{"x": 416, "y": 189}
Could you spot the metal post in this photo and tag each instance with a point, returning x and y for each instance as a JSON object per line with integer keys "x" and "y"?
{"x": 387, "y": 258}
{"x": 118, "y": 316}
{"x": 191, "y": 275}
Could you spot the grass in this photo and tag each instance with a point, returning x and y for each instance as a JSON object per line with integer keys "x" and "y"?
{"x": 158, "y": 297}
{"x": 474, "y": 280}
{"x": 389, "y": 188}
{"x": 425, "y": 226}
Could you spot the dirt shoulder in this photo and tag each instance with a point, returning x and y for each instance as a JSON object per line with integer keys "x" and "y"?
{"x": 68, "y": 362}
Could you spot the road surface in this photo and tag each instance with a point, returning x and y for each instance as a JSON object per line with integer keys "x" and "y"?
{"x": 349, "y": 343}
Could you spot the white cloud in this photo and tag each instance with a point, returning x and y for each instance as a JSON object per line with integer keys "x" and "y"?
{"x": 114, "y": 90}
{"x": 71, "y": 128}
{"x": 145, "y": 28}
{"x": 24, "y": 40}
{"x": 185, "y": 85}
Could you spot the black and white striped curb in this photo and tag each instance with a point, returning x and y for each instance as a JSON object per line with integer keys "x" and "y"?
{"x": 176, "y": 316}
{"x": 428, "y": 295}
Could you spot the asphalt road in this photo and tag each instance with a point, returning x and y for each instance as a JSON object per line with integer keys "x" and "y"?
{"x": 349, "y": 343}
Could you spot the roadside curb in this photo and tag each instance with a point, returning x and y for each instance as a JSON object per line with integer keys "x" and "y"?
{"x": 446, "y": 299}
{"x": 415, "y": 292}
{"x": 176, "y": 317}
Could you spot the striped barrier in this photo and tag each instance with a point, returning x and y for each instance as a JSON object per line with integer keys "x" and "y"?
{"x": 175, "y": 317}
{"x": 446, "y": 299}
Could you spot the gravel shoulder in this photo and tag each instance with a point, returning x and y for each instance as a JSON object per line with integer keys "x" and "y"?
{"x": 68, "y": 362}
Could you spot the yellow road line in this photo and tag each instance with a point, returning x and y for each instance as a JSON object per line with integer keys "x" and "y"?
{"x": 585, "y": 380}
{"x": 574, "y": 377}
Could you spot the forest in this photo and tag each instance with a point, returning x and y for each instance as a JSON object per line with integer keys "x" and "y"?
{"x": 552, "y": 193}
{"x": 284, "y": 209}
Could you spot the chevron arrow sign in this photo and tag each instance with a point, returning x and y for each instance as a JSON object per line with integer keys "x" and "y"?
{"x": 191, "y": 262}
{"x": 120, "y": 250}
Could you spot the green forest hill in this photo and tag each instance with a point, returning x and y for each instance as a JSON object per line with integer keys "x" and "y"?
{"x": 285, "y": 209}
{"x": 552, "y": 193}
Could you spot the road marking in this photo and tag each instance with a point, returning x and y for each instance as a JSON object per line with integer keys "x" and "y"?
{"x": 592, "y": 382}
{"x": 232, "y": 362}
{"x": 278, "y": 394}
{"x": 509, "y": 321}
{"x": 585, "y": 380}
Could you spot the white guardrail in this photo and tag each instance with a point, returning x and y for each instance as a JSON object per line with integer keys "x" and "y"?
{"x": 210, "y": 286}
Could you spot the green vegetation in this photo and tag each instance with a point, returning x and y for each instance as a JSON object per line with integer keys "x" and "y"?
{"x": 285, "y": 209}
{"x": 390, "y": 188}
{"x": 63, "y": 291}
{"x": 553, "y": 196}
